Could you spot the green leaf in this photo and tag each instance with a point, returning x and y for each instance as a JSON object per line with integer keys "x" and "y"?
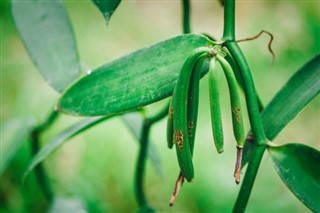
{"x": 134, "y": 121}
{"x": 107, "y": 7}
{"x": 299, "y": 168}
{"x": 301, "y": 88}
{"x": 83, "y": 125}
{"x": 61, "y": 138}
{"x": 13, "y": 134}
{"x": 138, "y": 79}
{"x": 45, "y": 29}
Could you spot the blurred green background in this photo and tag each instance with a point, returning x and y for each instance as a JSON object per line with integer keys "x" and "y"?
{"x": 97, "y": 168}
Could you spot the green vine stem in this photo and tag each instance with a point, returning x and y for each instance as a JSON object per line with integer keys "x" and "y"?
{"x": 249, "y": 88}
{"x": 229, "y": 23}
{"x": 186, "y": 16}
{"x": 248, "y": 84}
{"x": 250, "y": 92}
{"x": 144, "y": 143}
{"x": 140, "y": 169}
{"x": 40, "y": 172}
{"x": 260, "y": 139}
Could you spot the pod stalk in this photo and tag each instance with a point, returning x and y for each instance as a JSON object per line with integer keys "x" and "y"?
{"x": 237, "y": 169}
{"x": 176, "y": 189}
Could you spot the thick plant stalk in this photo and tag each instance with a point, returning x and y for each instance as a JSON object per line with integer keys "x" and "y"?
{"x": 229, "y": 24}
{"x": 186, "y": 16}
{"x": 250, "y": 92}
{"x": 260, "y": 139}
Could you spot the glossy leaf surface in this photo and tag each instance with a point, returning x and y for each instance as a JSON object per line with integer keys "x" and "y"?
{"x": 107, "y": 7}
{"x": 134, "y": 121}
{"x": 133, "y": 81}
{"x": 302, "y": 87}
{"x": 13, "y": 134}
{"x": 299, "y": 168}
{"x": 45, "y": 29}
{"x": 292, "y": 98}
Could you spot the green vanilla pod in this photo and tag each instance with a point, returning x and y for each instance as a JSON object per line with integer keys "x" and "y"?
{"x": 193, "y": 102}
{"x": 216, "y": 121}
{"x": 192, "y": 116}
{"x": 170, "y": 125}
{"x": 237, "y": 119}
{"x": 180, "y": 106}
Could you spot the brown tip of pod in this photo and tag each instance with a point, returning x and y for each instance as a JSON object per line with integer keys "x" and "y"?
{"x": 176, "y": 189}
{"x": 237, "y": 169}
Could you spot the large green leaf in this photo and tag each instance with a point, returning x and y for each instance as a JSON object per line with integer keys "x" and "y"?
{"x": 301, "y": 88}
{"x": 134, "y": 121}
{"x": 107, "y": 7}
{"x": 133, "y": 81}
{"x": 299, "y": 168}
{"x": 13, "y": 134}
{"x": 292, "y": 98}
{"x": 45, "y": 29}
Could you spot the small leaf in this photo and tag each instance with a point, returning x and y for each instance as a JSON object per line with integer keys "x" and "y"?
{"x": 79, "y": 127}
{"x": 107, "y": 7}
{"x": 13, "y": 134}
{"x": 299, "y": 168}
{"x": 138, "y": 79}
{"x": 45, "y": 29}
{"x": 61, "y": 138}
{"x": 301, "y": 88}
{"x": 134, "y": 122}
